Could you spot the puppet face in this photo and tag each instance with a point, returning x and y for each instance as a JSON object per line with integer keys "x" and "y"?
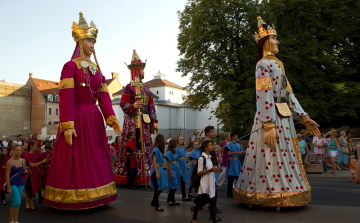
{"x": 273, "y": 45}
{"x": 89, "y": 46}
{"x": 142, "y": 72}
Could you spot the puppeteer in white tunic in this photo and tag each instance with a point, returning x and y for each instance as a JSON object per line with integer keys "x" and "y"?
{"x": 273, "y": 174}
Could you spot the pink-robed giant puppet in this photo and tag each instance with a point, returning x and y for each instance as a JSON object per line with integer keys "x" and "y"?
{"x": 273, "y": 174}
{"x": 80, "y": 175}
{"x": 129, "y": 105}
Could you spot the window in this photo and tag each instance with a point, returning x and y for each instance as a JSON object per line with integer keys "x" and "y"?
{"x": 50, "y": 97}
{"x": 57, "y": 111}
{"x": 49, "y": 123}
{"x": 157, "y": 92}
{"x": 49, "y": 111}
{"x": 56, "y": 98}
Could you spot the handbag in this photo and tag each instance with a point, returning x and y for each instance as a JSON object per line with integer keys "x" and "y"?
{"x": 283, "y": 110}
{"x": 195, "y": 178}
{"x": 345, "y": 150}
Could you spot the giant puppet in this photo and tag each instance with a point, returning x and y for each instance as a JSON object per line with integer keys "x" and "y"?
{"x": 80, "y": 175}
{"x": 273, "y": 174}
{"x": 140, "y": 118}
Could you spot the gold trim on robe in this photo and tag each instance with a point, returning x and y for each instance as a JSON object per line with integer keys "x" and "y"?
{"x": 79, "y": 195}
{"x": 104, "y": 88}
{"x": 66, "y": 126}
{"x": 78, "y": 63}
{"x": 66, "y": 83}
{"x": 263, "y": 83}
{"x": 284, "y": 199}
{"x": 111, "y": 120}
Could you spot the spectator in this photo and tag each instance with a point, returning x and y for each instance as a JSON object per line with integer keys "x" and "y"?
{"x": 6, "y": 142}
{"x": 18, "y": 140}
{"x": 352, "y": 167}
{"x": 319, "y": 147}
{"x": 189, "y": 145}
{"x": 307, "y": 139}
{"x": 167, "y": 141}
{"x": 195, "y": 137}
{"x": 34, "y": 138}
{"x": 333, "y": 147}
{"x": 10, "y": 146}
{"x": 304, "y": 150}
{"x": 15, "y": 182}
{"x": 4, "y": 157}
{"x": 343, "y": 158}
{"x": 225, "y": 159}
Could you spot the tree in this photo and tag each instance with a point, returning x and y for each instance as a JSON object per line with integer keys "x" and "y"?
{"x": 320, "y": 50}
{"x": 218, "y": 50}
{"x": 319, "y": 45}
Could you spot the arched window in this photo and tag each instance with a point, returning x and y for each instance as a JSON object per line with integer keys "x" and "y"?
{"x": 157, "y": 92}
{"x": 50, "y": 97}
{"x": 56, "y": 98}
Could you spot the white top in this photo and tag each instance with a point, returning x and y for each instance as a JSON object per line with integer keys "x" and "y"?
{"x": 207, "y": 182}
{"x": 18, "y": 143}
{"x": 166, "y": 145}
{"x": 193, "y": 138}
{"x": 5, "y": 144}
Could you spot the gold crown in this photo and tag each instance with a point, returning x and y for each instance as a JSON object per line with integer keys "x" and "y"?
{"x": 264, "y": 30}
{"x": 82, "y": 30}
{"x": 136, "y": 62}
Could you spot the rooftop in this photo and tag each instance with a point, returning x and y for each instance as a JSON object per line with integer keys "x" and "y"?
{"x": 45, "y": 84}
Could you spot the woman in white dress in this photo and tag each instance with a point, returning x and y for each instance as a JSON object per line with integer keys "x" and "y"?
{"x": 273, "y": 174}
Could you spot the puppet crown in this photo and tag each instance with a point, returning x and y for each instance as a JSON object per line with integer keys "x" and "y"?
{"x": 264, "y": 30}
{"x": 82, "y": 30}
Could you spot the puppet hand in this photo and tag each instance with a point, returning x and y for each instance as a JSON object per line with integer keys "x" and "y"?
{"x": 270, "y": 138}
{"x": 68, "y": 136}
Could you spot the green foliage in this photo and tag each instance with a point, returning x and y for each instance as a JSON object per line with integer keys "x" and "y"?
{"x": 319, "y": 47}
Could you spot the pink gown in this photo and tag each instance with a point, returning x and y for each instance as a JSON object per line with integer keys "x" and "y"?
{"x": 80, "y": 175}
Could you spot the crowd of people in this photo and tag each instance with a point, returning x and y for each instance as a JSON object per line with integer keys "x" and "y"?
{"x": 25, "y": 165}
{"x": 24, "y": 170}
{"x": 337, "y": 153}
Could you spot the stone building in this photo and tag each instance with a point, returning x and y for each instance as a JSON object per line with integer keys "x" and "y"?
{"x": 15, "y": 103}
{"x": 44, "y": 106}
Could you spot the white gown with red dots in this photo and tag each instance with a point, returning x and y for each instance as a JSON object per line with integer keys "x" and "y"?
{"x": 273, "y": 177}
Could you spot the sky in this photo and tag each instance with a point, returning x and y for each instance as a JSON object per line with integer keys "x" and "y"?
{"x": 36, "y": 37}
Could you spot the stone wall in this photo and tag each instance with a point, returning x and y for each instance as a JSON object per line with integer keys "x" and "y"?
{"x": 15, "y": 104}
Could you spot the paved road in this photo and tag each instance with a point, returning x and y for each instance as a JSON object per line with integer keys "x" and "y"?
{"x": 333, "y": 200}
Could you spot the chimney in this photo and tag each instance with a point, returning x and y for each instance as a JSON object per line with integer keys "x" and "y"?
{"x": 113, "y": 74}
{"x": 30, "y": 75}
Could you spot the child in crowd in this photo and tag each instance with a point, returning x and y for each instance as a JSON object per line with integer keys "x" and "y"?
{"x": 173, "y": 172}
{"x": 207, "y": 189}
{"x": 180, "y": 151}
{"x": 131, "y": 163}
{"x": 352, "y": 167}
{"x": 4, "y": 157}
{"x": 157, "y": 179}
{"x": 45, "y": 168}
{"x": 193, "y": 157}
{"x": 15, "y": 181}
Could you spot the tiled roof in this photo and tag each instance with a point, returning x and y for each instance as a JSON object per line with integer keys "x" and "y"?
{"x": 50, "y": 91}
{"x": 161, "y": 82}
{"x": 122, "y": 90}
{"x": 108, "y": 81}
{"x": 45, "y": 84}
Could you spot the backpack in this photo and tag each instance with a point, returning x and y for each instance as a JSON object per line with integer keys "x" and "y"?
{"x": 195, "y": 178}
